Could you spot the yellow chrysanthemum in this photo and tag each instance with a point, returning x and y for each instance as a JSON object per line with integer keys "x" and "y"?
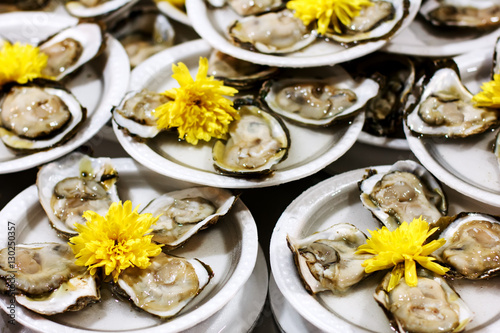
{"x": 402, "y": 249}
{"x": 21, "y": 63}
{"x": 119, "y": 240}
{"x": 198, "y": 108}
{"x": 177, "y": 3}
{"x": 490, "y": 94}
{"x": 327, "y": 12}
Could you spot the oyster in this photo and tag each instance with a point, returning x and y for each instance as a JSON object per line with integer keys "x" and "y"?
{"x": 326, "y": 260}
{"x": 71, "y": 48}
{"x": 38, "y": 115}
{"x": 432, "y": 306}
{"x": 445, "y": 109}
{"x": 318, "y": 102}
{"x": 71, "y": 185}
{"x": 166, "y": 286}
{"x": 379, "y": 21}
{"x": 96, "y": 8}
{"x": 472, "y": 246}
{"x": 45, "y": 278}
{"x": 143, "y": 32}
{"x": 275, "y": 32}
{"x": 238, "y": 73}
{"x": 135, "y": 113}
{"x": 483, "y": 14}
{"x": 253, "y": 7}
{"x": 185, "y": 212}
{"x": 257, "y": 141}
{"x": 406, "y": 191}
{"x": 16, "y": 5}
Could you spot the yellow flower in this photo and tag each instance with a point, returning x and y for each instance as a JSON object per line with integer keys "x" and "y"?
{"x": 402, "y": 248}
{"x": 490, "y": 96}
{"x": 119, "y": 240}
{"x": 327, "y": 12}
{"x": 21, "y": 63}
{"x": 198, "y": 110}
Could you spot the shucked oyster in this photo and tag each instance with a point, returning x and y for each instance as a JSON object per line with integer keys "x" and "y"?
{"x": 248, "y": 7}
{"x": 483, "y": 14}
{"x": 185, "y": 212}
{"x": 379, "y": 21}
{"x": 38, "y": 115}
{"x": 277, "y": 33}
{"x": 432, "y": 306}
{"x": 45, "y": 278}
{"x": 257, "y": 141}
{"x": 71, "y": 48}
{"x": 96, "y": 8}
{"x": 445, "y": 109}
{"x": 472, "y": 248}
{"x": 166, "y": 286}
{"x": 405, "y": 192}
{"x": 326, "y": 260}
{"x": 318, "y": 102}
{"x": 238, "y": 73}
{"x": 71, "y": 185}
{"x": 135, "y": 113}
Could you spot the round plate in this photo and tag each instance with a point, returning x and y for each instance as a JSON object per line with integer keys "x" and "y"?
{"x": 98, "y": 86}
{"x": 468, "y": 165}
{"x": 166, "y": 155}
{"x": 336, "y": 200}
{"x": 211, "y": 24}
{"x": 421, "y": 39}
{"x": 173, "y": 12}
{"x": 230, "y": 248}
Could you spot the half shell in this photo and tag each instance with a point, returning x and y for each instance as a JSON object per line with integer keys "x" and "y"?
{"x": 185, "y": 212}
{"x": 96, "y": 8}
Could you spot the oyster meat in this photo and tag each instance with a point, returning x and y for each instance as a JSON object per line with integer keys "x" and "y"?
{"x": 257, "y": 141}
{"x": 405, "y": 192}
{"x": 135, "y": 113}
{"x": 326, "y": 260}
{"x": 96, "y": 8}
{"x": 71, "y": 48}
{"x": 166, "y": 286}
{"x": 185, "y": 212}
{"x": 46, "y": 280}
{"x": 318, "y": 102}
{"x": 472, "y": 248}
{"x": 275, "y": 32}
{"x": 71, "y": 185}
{"x": 445, "y": 109}
{"x": 432, "y": 306}
{"x": 253, "y": 7}
{"x": 38, "y": 115}
{"x": 381, "y": 20}
{"x": 238, "y": 73}
{"x": 483, "y": 14}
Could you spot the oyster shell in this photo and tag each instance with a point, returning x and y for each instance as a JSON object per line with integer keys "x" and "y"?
{"x": 257, "y": 141}
{"x": 71, "y": 48}
{"x": 38, "y": 115}
{"x": 73, "y": 184}
{"x": 483, "y": 14}
{"x": 326, "y": 260}
{"x": 46, "y": 279}
{"x": 379, "y": 21}
{"x": 406, "y": 191}
{"x": 135, "y": 113}
{"x": 185, "y": 212}
{"x": 317, "y": 102}
{"x": 253, "y": 7}
{"x": 431, "y": 306}
{"x": 166, "y": 286}
{"x": 238, "y": 73}
{"x": 96, "y": 8}
{"x": 143, "y": 32}
{"x": 472, "y": 248}
{"x": 445, "y": 109}
{"x": 275, "y": 32}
